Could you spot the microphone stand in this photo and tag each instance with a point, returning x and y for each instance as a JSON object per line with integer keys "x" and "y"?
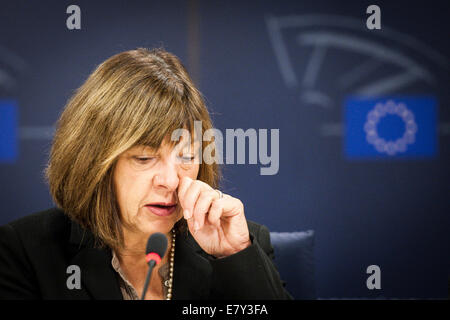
{"x": 151, "y": 264}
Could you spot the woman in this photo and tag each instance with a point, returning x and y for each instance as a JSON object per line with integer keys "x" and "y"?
{"x": 117, "y": 176}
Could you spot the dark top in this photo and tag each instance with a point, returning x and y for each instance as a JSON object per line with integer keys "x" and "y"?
{"x": 36, "y": 251}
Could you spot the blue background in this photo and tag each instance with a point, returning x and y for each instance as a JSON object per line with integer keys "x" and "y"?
{"x": 8, "y": 131}
{"x": 392, "y": 213}
{"x": 391, "y": 127}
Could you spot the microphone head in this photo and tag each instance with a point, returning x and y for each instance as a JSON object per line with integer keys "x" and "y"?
{"x": 157, "y": 243}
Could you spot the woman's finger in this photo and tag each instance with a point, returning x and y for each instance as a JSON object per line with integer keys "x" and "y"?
{"x": 183, "y": 186}
{"x": 202, "y": 207}
{"x": 231, "y": 206}
{"x": 189, "y": 199}
{"x": 215, "y": 212}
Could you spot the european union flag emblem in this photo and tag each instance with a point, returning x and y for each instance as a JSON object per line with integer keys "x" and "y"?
{"x": 8, "y": 131}
{"x": 388, "y": 127}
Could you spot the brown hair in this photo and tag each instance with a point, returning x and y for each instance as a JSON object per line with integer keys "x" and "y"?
{"x": 137, "y": 97}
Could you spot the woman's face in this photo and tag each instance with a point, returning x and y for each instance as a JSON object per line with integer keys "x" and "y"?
{"x": 146, "y": 183}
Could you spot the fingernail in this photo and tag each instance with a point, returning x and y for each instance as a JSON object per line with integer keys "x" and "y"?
{"x": 196, "y": 226}
{"x": 187, "y": 214}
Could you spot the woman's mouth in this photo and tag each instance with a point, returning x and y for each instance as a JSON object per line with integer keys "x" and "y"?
{"x": 161, "y": 209}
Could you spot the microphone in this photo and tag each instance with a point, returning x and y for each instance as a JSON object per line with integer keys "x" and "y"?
{"x": 156, "y": 248}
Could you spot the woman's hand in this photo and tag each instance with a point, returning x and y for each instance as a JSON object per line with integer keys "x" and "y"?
{"x": 217, "y": 224}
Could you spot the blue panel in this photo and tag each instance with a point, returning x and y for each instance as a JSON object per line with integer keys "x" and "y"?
{"x": 390, "y": 127}
{"x": 8, "y": 131}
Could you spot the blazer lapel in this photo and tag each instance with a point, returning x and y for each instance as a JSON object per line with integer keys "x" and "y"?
{"x": 98, "y": 277}
{"x": 192, "y": 270}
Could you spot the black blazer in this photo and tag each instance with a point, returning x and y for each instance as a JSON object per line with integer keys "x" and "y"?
{"x": 36, "y": 251}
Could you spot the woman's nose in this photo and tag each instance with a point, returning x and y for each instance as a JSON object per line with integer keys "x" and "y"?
{"x": 167, "y": 177}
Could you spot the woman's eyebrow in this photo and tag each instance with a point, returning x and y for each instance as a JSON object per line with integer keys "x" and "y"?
{"x": 142, "y": 149}
{"x": 191, "y": 147}
{"x": 183, "y": 144}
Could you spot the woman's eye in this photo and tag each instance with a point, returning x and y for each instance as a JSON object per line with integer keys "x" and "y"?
{"x": 143, "y": 159}
{"x": 187, "y": 158}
